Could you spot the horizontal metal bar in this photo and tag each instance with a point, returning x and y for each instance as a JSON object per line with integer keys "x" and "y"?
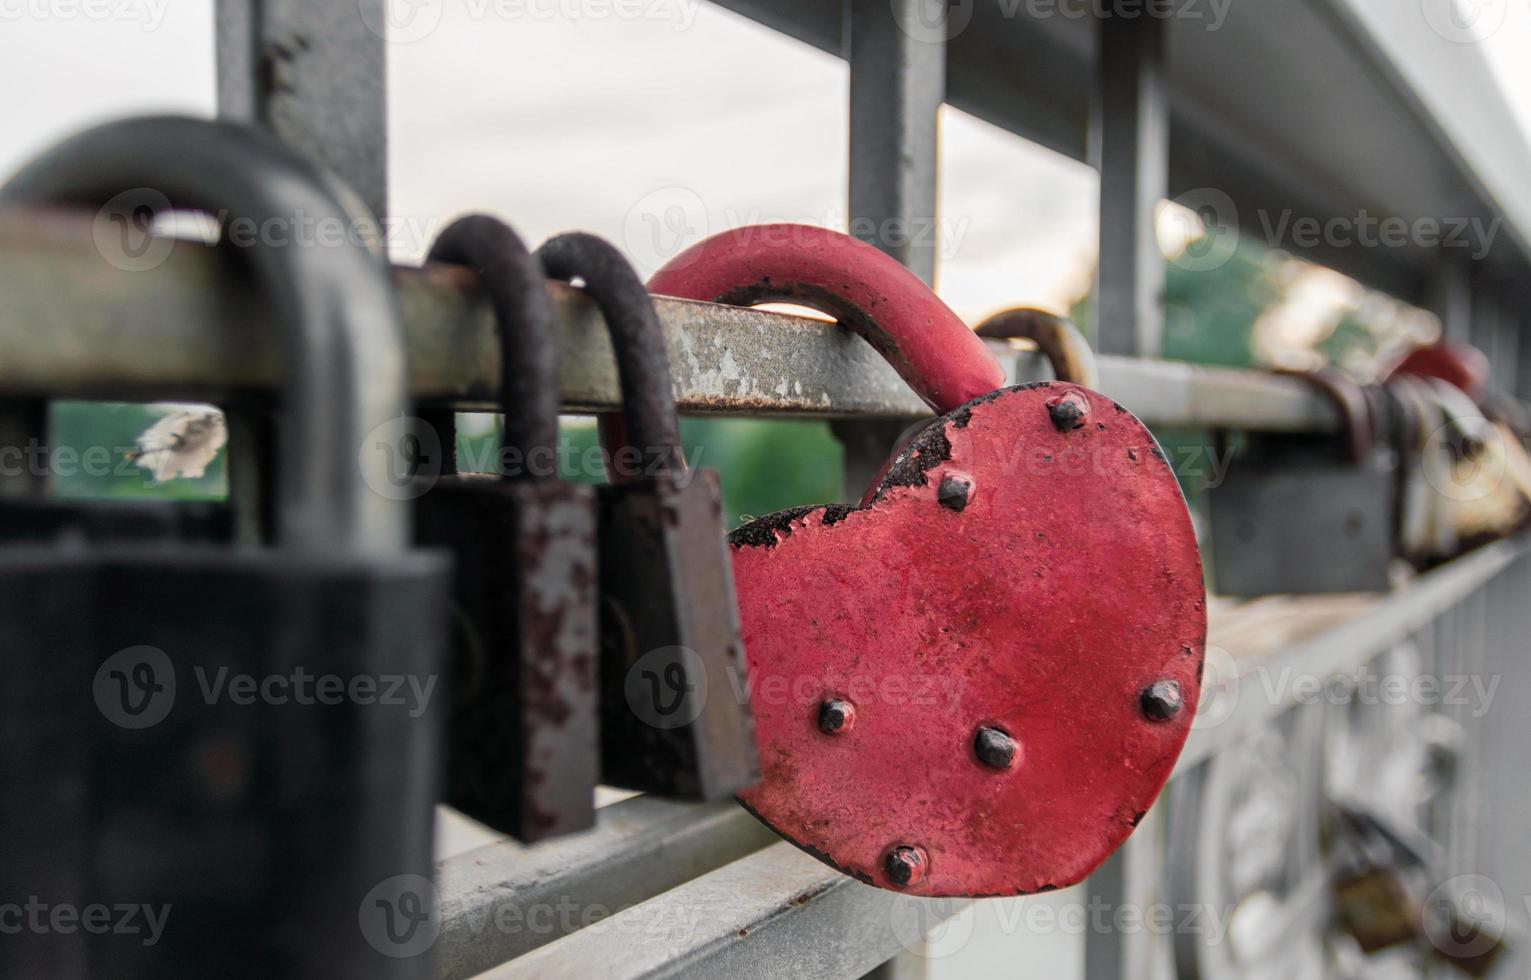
{"x": 505, "y": 899}
{"x": 779, "y": 912}
{"x": 1262, "y": 672}
{"x": 74, "y": 325}
{"x": 776, "y": 913}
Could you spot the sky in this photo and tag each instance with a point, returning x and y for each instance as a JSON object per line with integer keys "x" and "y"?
{"x": 650, "y": 129}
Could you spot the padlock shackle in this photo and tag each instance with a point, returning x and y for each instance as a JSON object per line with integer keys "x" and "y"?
{"x": 648, "y": 419}
{"x": 850, "y": 280}
{"x": 342, "y": 349}
{"x": 1066, "y": 349}
{"x": 1358, "y": 426}
{"x": 528, "y": 333}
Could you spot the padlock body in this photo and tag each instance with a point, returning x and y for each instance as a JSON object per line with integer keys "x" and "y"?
{"x": 1378, "y": 911}
{"x": 120, "y": 521}
{"x": 47, "y": 632}
{"x": 521, "y": 742}
{"x": 247, "y": 740}
{"x": 1009, "y": 581}
{"x": 675, "y": 716}
{"x": 1300, "y": 526}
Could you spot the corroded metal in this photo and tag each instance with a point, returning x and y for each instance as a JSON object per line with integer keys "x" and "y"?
{"x": 75, "y": 326}
{"x": 522, "y": 741}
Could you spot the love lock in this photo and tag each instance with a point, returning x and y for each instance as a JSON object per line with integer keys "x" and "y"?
{"x": 976, "y": 681}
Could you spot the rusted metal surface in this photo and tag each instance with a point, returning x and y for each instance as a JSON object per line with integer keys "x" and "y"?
{"x": 859, "y": 286}
{"x": 900, "y": 608}
{"x": 522, "y": 733}
{"x": 75, "y": 326}
{"x": 638, "y": 344}
{"x": 1059, "y": 341}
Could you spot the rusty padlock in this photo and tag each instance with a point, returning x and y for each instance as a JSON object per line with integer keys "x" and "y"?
{"x": 976, "y": 681}
{"x": 1377, "y": 886}
{"x": 671, "y": 655}
{"x": 1066, "y": 350}
{"x": 521, "y": 738}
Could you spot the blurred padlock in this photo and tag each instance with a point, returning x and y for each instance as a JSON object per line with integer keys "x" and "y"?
{"x": 1299, "y": 514}
{"x": 217, "y": 743}
{"x": 1377, "y": 886}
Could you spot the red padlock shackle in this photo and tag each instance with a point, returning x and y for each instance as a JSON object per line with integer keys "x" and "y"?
{"x": 867, "y": 291}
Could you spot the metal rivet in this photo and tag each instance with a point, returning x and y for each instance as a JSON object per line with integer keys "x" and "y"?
{"x": 953, "y": 493}
{"x": 995, "y": 748}
{"x": 1162, "y": 700}
{"x": 836, "y": 716}
{"x": 1068, "y": 411}
{"x": 906, "y": 865}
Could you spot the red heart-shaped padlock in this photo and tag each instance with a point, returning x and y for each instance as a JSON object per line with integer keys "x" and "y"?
{"x": 978, "y": 680}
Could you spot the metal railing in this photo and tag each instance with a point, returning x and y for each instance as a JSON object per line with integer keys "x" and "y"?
{"x": 664, "y": 889}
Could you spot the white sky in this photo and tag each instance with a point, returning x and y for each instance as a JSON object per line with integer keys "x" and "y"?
{"x": 609, "y": 125}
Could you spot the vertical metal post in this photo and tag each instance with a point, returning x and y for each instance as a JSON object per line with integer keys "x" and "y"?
{"x": 1506, "y": 353}
{"x": 315, "y": 74}
{"x": 1129, "y": 145}
{"x": 1126, "y": 888}
{"x": 1452, "y": 297}
{"x": 1518, "y": 325}
{"x": 897, "y": 55}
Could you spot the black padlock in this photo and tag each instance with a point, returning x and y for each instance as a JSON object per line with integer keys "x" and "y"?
{"x": 235, "y": 743}
{"x": 1301, "y": 515}
{"x": 675, "y": 715}
{"x": 522, "y": 736}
